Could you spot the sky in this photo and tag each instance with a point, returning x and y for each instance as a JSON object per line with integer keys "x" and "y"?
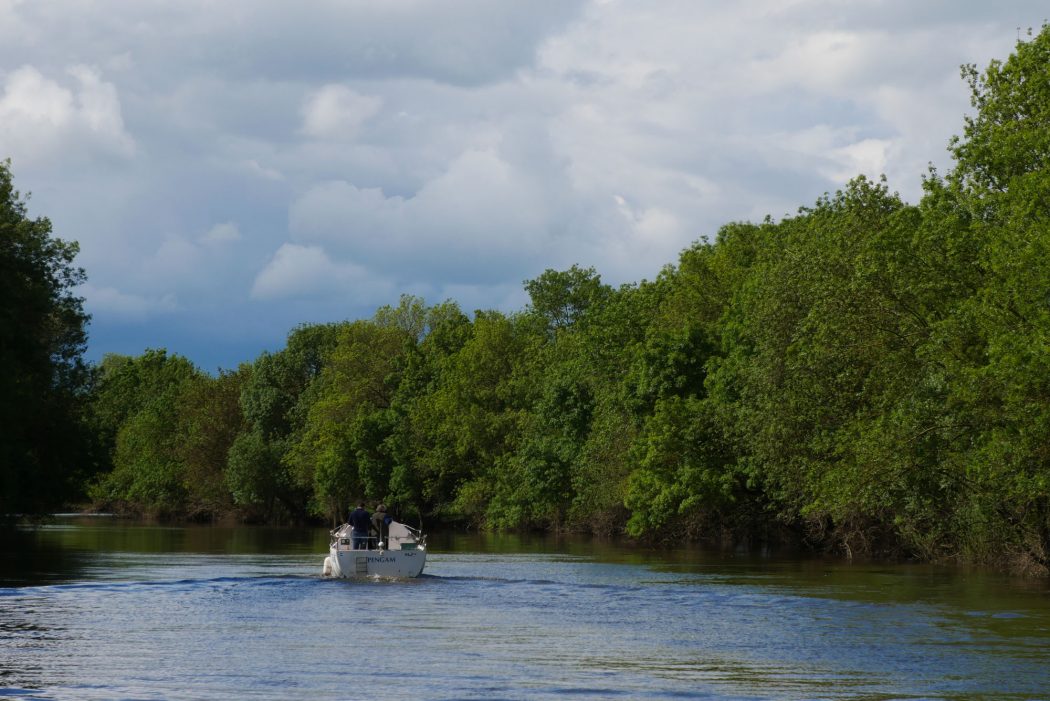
{"x": 234, "y": 169}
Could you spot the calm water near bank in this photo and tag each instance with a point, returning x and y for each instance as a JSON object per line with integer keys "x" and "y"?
{"x": 104, "y": 609}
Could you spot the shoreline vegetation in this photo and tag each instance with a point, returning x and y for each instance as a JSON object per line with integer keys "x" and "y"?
{"x": 866, "y": 377}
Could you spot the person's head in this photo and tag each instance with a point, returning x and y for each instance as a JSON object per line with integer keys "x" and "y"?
{"x": 381, "y": 508}
{"x": 360, "y": 505}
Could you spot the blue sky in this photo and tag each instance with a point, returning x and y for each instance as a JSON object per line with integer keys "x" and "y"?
{"x": 234, "y": 169}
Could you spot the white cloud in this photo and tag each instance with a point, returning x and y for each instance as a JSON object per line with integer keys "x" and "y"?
{"x": 111, "y": 304}
{"x": 655, "y": 226}
{"x": 31, "y": 97}
{"x": 227, "y": 232}
{"x": 42, "y": 120}
{"x": 867, "y": 156}
{"x": 255, "y": 168}
{"x": 307, "y": 271}
{"x": 198, "y": 268}
{"x": 824, "y": 61}
{"x": 175, "y": 260}
{"x": 337, "y": 112}
{"x": 835, "y": 153}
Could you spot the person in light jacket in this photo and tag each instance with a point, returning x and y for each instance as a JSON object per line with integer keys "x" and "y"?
{"x": 379, "y": 522}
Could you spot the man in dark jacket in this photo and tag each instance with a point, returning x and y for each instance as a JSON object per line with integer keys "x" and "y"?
{"x": 359, "y": 522}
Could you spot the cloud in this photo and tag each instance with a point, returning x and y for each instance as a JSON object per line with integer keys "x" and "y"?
{"x": 654, "y": 225}
{"x": 110, "y": 304}
{"x": 196, "y": 269}
{"x": 466, "y": 224}
{"x": 337, "y": 112}
{"x": 12, "y": 27}
{"x": 306, "y": 271}
{"x": 266, "y": 164}
{"x": 462, "y": 42}
{"x": 227, "y": 232}
{"x": 867, "y": 156}
{"x": 253, "y": 166}
{"x": 42, "y": 120}
{"x": 837, "y": 154}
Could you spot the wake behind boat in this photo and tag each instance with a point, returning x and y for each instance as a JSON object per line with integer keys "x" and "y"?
{"x": 402, "y": 554}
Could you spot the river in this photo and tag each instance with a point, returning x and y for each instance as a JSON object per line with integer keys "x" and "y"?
{"x": 94, "y": 608}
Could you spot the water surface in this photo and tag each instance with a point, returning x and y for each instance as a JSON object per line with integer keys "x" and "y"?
{"x": 100, "y": 609}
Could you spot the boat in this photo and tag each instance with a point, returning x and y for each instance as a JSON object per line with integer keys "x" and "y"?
{"x": 402, "y": 554}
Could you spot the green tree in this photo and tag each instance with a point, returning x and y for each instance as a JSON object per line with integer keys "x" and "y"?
{"x": 138, "y": 402}
{"x": 210, "y": 420}
{"x": 1002, "y": 180}
{"x": 603, "y": 360}
{"x": 561, "y": 298}
{"x": 257, "y": 480}
{"x": 422, "y": 476}
{"x": 277, "y": 394}
{"x": 822, "y": 338}
{"x": 473, "y": 417}
{"x": 342, "y": 452}
{"x": 44, "y": 453}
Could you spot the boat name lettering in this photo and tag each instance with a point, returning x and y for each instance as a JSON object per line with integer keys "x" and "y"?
{"x": 381, "y": 559}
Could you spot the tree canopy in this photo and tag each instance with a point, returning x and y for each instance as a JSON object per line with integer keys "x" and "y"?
{"x": 43, "y": 450}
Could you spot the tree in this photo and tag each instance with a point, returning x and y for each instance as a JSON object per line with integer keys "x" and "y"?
{"x": 1002, "y": 181}
{"x": 210, "y": 420}
{"x": 277, "y": 394}
{"x": 138, "y": 408}
{"x": 684, "y": 477}
{"x": 256, "y": 479}
{"x": 1009, "y": 136}
{"x": 561, "y": 298}
{"x": 342, "y": 450}
{"x": 423, "y": 455}
{"x": 44, "y": 453}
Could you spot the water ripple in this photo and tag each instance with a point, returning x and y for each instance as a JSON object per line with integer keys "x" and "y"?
{"x": 487, "y": 626}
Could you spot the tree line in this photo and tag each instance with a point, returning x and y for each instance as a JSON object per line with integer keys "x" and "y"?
{"x": 866, "y": 376}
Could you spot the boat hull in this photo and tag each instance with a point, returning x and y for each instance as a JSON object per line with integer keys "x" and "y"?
{"x": 374, "y": 563}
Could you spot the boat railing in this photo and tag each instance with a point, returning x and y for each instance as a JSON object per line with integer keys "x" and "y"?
{"x": 421, "y": 538}
{"x": 341, "y": 539}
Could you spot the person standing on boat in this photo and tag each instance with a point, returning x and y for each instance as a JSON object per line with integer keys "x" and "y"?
{"x": 379, "y": 521}
{"x": 359, "y": 523}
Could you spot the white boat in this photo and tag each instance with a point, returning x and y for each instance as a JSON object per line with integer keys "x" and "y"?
{"x": 402, "y": 554}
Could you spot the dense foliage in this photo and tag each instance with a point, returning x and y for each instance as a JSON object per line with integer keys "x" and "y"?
{"x": 44, "y": 447}
{"x": 867, "y": 376}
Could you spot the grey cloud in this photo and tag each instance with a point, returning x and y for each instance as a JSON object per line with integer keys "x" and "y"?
{"x": 324, "y": 155}
{"x": 469, "y": 224}
{"x": 466, "y": 42}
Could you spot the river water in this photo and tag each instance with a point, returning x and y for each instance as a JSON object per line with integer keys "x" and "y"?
{"x": 101, "y": 609}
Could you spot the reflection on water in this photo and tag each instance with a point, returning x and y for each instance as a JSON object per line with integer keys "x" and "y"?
{"x": 100, "y": 609}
